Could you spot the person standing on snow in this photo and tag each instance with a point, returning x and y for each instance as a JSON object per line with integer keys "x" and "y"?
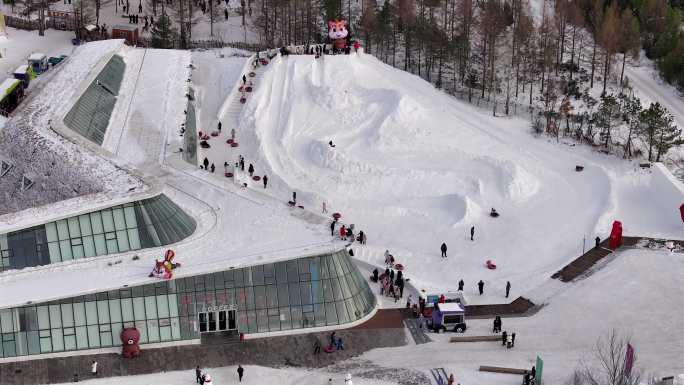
{"x": 508, "y": 288}
{"x": 240, "y": 372}
{"x": 444, "y": 250}
{"x": 244, "y": 79}
{"x": 232, "y": 133}
{"x": 513, "y": 339}
{"x": 294, "y": 197}
{"x": 205, "y": 162}
{"x": 93, "y": 369}
{"x": 348, "y": 380}
{"x": 265, "y": 179}
{"x": 387, "y": 258}
{"x": 504, "y": 337}
{"x": 332, "y": 229}
{"x": 212, "y": 168}
{"x": 219, "y": 126}
{"x": 325, "y": 209}
{"x": 198, "y": 374}
{"x": 250, "y": 170}
{"x": 480, "y": 286}
{"x": 472, "y": 233}
{"x": 343, "y": 232}
{"x": 460, "y": 285}
{"x": 509, "y": 341}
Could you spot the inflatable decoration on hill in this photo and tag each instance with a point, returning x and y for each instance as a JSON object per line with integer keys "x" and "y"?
{"x": 130, "y": 337}
{"x": 337, "y": 32}
{"x": 164, "y": 269}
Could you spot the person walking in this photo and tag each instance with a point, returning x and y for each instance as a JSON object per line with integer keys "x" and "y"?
{"x": 232, "y": 133}
{"x": 240, "y": 372}
{"x": 317, "y": 346}
{"x": 212, "y": 168}
{"x": 598, "y": 242}
{"x": 472, "y": 232}
{"x": 250, "y": 170}
{"x": 294, "y": 197}
{"x": 244, "y": 79}
{"x": 219, "y": 123}
{"x": 205, "y": 162}
{"x": 508, "y": 288}
{"x": 509, "y": 341}
{"x": 444, "y": 250}
{"x": 460, "y": 285}
{"x": 450, "y": 381}
{"x": 242, "y": 163}
{"x": 332, "y": 339}
{"x": 504, "y": 337}
{"x": 480, "y": 286}
{"x": 513, "y": 339}
{"x": 265, "y": 179}
{"x": 325, "y": 209}
{"x": 401, "y": 287}
{"x": 332, "y": 228}
{"x": 93, "y": 369}
{"x": 140, "y": 8}
{"x": 198, "y": 374}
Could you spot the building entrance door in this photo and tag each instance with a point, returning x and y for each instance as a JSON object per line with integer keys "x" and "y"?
{"x": 217, "y": 320}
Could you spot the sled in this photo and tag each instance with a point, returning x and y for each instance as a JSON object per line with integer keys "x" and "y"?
{"x": 490, "y": 264}
{"x": 234, "y": 144}
{"x": 399, "y": 266}
{"x": 228, "y": 174}
{"x": 494, "y": 215}
{"x": 230, "y": 141}
{"x": 329, "y": 349}
{"x": 579, "y": 168}
{"x": 204, "y": 144}
{"x": 252, "y": 74}
{"x": 248, "y": 89}
{"x": 243, "y": 100}
{"x": 214, "y": 133}
{"x": 256, "y": 178}
{"x": 337, "y": 216}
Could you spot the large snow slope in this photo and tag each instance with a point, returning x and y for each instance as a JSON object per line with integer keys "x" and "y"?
{"x": 414, "y": 168}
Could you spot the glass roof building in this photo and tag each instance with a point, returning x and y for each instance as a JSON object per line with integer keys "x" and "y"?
{"x": 137, "y": 225}
{"x": 308, "y": 292}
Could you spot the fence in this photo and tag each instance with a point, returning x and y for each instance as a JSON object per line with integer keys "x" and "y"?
{"x": 62, "y": 21}
{"x": 206, "y": 44}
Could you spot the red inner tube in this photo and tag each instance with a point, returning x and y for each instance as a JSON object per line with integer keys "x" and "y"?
{"x": 256, "y": 178}
{"x": 234, "y": 144}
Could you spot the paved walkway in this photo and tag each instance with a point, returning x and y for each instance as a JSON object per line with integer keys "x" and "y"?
{"x": 295, "y": 350}
{"x": 418, "y": 333}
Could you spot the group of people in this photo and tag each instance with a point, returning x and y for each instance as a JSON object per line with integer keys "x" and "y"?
{"x": 507, "y": 339}
{"x": 334, "y": 343}
{"x": 346, "y": 233}
{"x": 203, "y": 378}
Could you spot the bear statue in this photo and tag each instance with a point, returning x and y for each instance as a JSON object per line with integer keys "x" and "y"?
{"x": 130, "y": 337}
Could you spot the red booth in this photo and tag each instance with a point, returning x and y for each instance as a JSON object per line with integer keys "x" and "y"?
{"x": 615, "y": 235}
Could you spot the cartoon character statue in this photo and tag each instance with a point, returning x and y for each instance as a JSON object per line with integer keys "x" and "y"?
{"x": 130, "y": 337}
{"x": 337, "y": 31}
{"x": 164, "y": 269}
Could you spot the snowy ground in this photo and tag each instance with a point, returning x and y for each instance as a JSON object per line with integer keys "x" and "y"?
{"x": 627, "y": 294}
{"x": 228, "y": 375}
{"x": 409, "y": 159}
{"x": 18, "y": 44}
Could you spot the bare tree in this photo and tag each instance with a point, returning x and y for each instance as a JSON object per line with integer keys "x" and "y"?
{"x": 609, "y": 365}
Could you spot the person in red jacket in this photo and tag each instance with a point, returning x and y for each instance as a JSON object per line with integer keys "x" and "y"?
{"x": 343, "y": 232}
{"x": 356, "y": 46}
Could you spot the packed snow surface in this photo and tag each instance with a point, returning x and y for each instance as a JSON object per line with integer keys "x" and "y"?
{"x": 626, "y": 295}
{"x": 256, "y": 375}
{"x": 413, "y": 168}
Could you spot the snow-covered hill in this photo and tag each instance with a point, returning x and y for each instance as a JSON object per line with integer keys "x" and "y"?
{"x": 413, "y": 168}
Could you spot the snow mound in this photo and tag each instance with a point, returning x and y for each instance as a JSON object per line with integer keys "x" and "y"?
{"x": 413, "y": 168}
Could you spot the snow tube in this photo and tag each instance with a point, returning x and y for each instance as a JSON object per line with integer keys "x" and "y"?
{"x": 228, "y": 174}
{"x": 241, "y": 89}
{"x": 263, "y": 61}
{"x": 490, "y": 264}
{"x": 256, "y": 178}
{"x": 243, "y": 100}
{"x": 252, "y": 74}
{"x": 399, "y": 266}
{"x": 494, "y": 215}
{"x": 234, "y": 144}
{"x": 337, "y": 215}
{"x": 214, "y": 133}
{"x": 329, "y": 349}
{"x": 248, "y": 89}
{"x": 230, "y": 141}
{"x": 205, "y": 137}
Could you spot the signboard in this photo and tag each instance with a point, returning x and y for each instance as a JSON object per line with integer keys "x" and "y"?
{"x": 539, "y": 367}
{"x": 220, "y": 308}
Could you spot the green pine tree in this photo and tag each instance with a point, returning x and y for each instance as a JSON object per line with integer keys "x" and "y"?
{"x": 163, "y": 33}
{"x": 659, "y": 131}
